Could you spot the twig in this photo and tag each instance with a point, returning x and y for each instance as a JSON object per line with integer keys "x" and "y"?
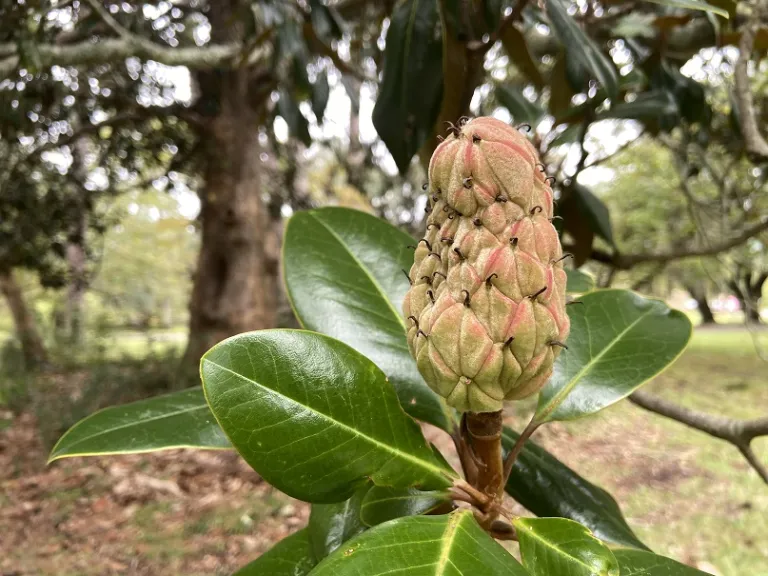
{"x": 509, "y": 462}
{"x": 627, "y": 261}
{"x": 113, "y": 24}
{"x": 740, "y": 433}
{"x": 618, "y": 151}
{"x": 461, "y": 496}
{"x": 477, "y": 497}
{"x": 754, "y": 141}
{"x": 342, "y": 66}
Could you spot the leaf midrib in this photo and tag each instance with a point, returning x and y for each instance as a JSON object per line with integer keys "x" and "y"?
{"x": 365, "y": 271}
{"x": 449, "y": 536}
{"x": 533, "y": 534}
{"x": 130, "y": 424}
{"x": 560, "y": 396}
{"x": 432, "y": 469}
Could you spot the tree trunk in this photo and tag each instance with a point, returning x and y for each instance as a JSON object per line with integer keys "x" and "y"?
{"x": 701, "y": 303}
{"x": 755, "y": 288}
{"x": 73, "y": 317}
{"x": 26, "y": 329}
{"x": 234, "y": 286}
{"x": 75, "y": 253}
{"x": 748, "y": 297}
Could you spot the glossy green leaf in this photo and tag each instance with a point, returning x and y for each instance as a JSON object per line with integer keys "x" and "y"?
{"x": 330, "y": 525}
{"x": 520, "y": 108}
{"x": 178, "y": 420}
{"x": 320, "y": 94}
{"x": 557, "y": 546}
{"x": 568, "y": 136}
{"x": 692, "y": 5}
{"x": 581, "y": 49}
{"x": 638, "y": 563}
{"x": 411, "y": 89}
{"x": 516, "y": 48}
{"x": 288, "y": 109}
{"x": 382, "y": 504}
{"x": 445, "y": 545}
{"x": 314, "y": 417}
{"x": 549, "y": 488}
{"x": 344, "y": 273}
{"x": 289, "y": 557}
{"x": 593, "y": 210}
{"x": 561, "y": 91}
{"x": 578, "y": 282}
{"x": 619, "y": 340}
{"x": 651, "y": 104}
{"x": 325, "y": 21}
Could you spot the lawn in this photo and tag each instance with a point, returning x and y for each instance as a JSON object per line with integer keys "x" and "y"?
{"x": 686, "y": 495}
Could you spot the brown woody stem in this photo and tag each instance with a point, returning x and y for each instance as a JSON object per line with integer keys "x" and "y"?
{"x": 517, "y": 448}
{"x": 484, "y": 431}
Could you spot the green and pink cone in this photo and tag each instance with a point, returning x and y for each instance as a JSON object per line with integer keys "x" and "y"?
{"x": 486, "y": 309}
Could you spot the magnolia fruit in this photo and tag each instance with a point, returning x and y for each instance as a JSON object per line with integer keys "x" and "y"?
{"x": 486, "y": 308}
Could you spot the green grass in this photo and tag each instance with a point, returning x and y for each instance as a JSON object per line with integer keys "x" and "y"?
{"x": 730, "y": 341}
{"x": 686, "y": 494}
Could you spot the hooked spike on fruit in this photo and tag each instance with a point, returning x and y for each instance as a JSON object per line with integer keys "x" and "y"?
{"x": 533, "y": 296}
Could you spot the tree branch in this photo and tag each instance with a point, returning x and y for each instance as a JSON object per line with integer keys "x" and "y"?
{"x": 322, "y": 48}
{"x": 740, "y": 433}
{"x": 113, "y": 24}
{"x": 618, "y": 151}
{"x": 755, "y": 144}
{"x": 111, "y": 50}
{"x": 627, "y": 261}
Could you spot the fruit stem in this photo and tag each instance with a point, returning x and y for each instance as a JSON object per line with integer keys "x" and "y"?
{"x": 484, "y": 439}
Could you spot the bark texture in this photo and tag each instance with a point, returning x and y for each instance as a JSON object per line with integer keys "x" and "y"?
{"x": 234, "y": 287}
